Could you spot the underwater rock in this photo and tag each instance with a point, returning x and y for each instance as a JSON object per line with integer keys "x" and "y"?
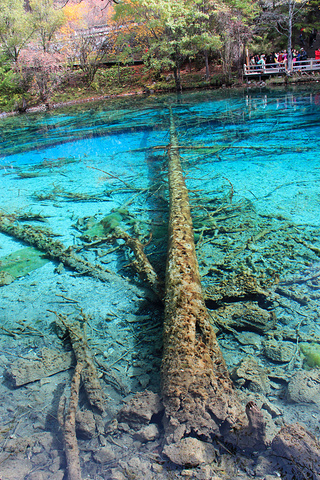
{"x": 147, "y": 434}
{"x": 248, "y": 338}
{"x": 240, "y": 287}
{"x": 250, "y": 375}
{"x": 304, "y": 387}
{"x": 144, "y": 380}
{"x": 116, "y": 475}
{"x": 190, "y": 451}
{"x": 21, "y": 466}
{"x": 139, "y": 410}
{"x": 85, "y": 424}
{"x": 279, "y": 351}
{"x": 136, "y": 467}
{"x": 6, "y": 278}
{"x": 104, "y": 455}
{"x": 51, "y": 362}
{"x": 272, "y": 409}
{"x": 236, "y": 304}
{"x": 15, "y": 464}
{"x": 244, "y": 315}
{"x": 300, "y": 451}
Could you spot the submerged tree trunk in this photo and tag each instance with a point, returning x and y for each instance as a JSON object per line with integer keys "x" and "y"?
{"x": 198, "y": 395}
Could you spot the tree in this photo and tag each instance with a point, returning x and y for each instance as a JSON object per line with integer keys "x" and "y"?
{"x": 89, "y": 54}
{"x": 202, "y": 29}
{"x": 41, "y": 72}
{"x": 235, "y": 25}
{"x": 82, "y": 45}
{"x": 47, "y": 20}
{"x": 15, "y": 27}
{"x": 168, "y": 32}
{"x": 282, "y": 16}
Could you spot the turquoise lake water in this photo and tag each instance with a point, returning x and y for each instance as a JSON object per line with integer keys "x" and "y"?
{"x": 252, "y": 166}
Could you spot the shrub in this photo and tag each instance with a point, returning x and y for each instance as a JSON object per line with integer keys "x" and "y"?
{"x": 12, "y": 90}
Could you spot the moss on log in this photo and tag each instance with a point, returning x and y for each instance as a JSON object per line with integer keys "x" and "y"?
{"x": 198, "y": 395}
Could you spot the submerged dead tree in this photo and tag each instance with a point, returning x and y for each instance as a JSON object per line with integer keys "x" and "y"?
{"x": 198, "y": 395}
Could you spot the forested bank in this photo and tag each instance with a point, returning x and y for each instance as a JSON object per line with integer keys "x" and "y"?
{"x": 54, "y": 51}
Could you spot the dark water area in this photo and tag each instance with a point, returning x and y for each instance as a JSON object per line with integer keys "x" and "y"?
{"x": 69, "y": 178}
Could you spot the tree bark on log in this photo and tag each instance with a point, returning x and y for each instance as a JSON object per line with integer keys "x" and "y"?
{"x": 198, "y": 395}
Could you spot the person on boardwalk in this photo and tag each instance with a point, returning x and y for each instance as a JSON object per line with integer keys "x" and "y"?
{"x": 303, "y": 54}
{"x": 262, "y": 62}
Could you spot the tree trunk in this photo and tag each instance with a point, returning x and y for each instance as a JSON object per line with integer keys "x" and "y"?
{"x": 206, "y": 57}
{"x": 176, "y": 73}
{"x": 198, "y": 395}
{"x": 289, "y": 66}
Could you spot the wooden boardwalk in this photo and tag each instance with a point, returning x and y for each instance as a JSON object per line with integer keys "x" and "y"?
{"x": 310, "y": 65}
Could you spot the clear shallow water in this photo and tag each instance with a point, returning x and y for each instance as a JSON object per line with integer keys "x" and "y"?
{"x": 251, "y": 162}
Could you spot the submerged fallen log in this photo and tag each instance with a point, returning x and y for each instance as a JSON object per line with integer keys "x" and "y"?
{"x": 198, "y": 395}
{"x": 54, "y": 249}
{"x": 141, "y": 263}
{"x": 57, "y": 251}
{"x": 89, "y": 374}
{"x": 67, "y": 422}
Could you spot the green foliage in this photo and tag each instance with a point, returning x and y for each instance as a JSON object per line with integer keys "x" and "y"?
{"x": 12, "y": 90}
{"x": 46, "y": 20}
{"x": 15, "y": 27}
{"x": 169, "y": 32}
{"x": 114, "y": 76}
{"x": 8, "y": 81}
{"x": 263, "y": 43}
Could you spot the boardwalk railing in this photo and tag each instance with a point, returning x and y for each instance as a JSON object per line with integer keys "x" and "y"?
{"x": 311, "y": 64}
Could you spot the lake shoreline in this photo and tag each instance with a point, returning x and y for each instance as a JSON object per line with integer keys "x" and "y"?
{"x": 249, "y": 85}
